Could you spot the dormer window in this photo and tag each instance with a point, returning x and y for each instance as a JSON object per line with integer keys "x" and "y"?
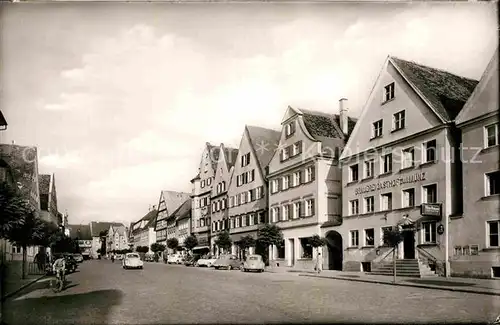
{"x": 389, "y": 92}
{"x": 290, "y": 129}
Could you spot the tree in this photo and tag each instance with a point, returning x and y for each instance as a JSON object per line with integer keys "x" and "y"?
{"x": 173, "y": 243}
{"x": 392, "y": 237}
{"x": 190, "y": 242}
{"x": 224, "y": 241}
{"x": 157, "y": 247}
{"x": 13, "y": 208}
{"x": 246, "y": 242}
{"x": 27, "y": 231}
{"x": 269, "y": 234}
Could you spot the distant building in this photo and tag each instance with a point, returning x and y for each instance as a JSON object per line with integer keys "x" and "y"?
{"x": 117, "y": 238}
{"x": 82, "y": 234}
{"x": 143, "y": 231}
{"x": 168, "y": 203}
{"x": 98, "y": 231}
{"x": 48, "y": 199}
{"x": 182, "y": 218}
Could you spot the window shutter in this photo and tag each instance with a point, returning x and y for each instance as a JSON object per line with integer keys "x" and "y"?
{"x": 247, "y": 220}
{"x": 302, "y": 176}
{"x": 302, "y": 209}
{"x": 312, "y": 207}
{"x": 278, "y": 213}
{"x": 253, "y": 175}
{"x": 300, "y": 147}
{"x": 313, "y": 173}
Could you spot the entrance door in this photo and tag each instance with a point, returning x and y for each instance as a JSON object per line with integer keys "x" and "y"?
{"x": 334, "y": 240}
{"x": 409, "y": 244}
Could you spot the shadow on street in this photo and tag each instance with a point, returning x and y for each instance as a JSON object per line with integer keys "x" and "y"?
{"x": 84, "y": 308}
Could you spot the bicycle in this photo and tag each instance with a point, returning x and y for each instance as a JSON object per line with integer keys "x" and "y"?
{"x": 60, "y": 282}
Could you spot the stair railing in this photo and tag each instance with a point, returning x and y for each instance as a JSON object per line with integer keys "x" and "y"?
{"x": 426, "y": 257}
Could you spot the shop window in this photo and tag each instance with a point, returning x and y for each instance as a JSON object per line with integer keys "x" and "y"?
{"x": 306, "y": 248}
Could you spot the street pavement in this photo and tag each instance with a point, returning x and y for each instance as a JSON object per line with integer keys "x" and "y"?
{"x": 104, "y": 293}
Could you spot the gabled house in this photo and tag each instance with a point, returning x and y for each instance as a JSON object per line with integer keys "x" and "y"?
{"x": 168, "y": 203}
{"x": 143, "y": 231}
{"x": 218, "y": 198}
{"x": 398, "y": 169}
{"x": 117, "y": 238}
{"x": 48, "y": 199}
{"x": 305, "y": 180}
{"x": 202, "y": 185}
{"x": 182, "y": 226}
{"x": 474, "y": 235}
{"x": 81, "y": 233}
{"x": 98, "y": 231}
{"x": 248, "y": 190}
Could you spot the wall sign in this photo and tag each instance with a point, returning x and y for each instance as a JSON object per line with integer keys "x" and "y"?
{"x": 430, "y": 209}
{"x": 392, "y": 183}
{"x": 440, "y": 229}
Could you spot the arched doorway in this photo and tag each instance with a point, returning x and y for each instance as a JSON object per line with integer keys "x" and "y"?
{"x": 335, "y": 250}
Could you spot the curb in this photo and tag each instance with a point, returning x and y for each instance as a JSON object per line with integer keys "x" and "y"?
{"x": 402, "y": 284}
{"x": 24, "y": 286}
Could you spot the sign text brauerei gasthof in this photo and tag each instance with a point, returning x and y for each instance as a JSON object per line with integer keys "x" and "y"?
{"x": 390, "y": 183}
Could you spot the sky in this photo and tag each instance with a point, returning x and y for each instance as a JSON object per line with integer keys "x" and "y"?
{"x": 120, "y": 98}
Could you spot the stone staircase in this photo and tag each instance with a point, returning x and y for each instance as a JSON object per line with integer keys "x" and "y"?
{"x": 404, "y": 267}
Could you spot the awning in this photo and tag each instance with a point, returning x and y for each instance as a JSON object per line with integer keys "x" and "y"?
{"x": 201, "y": 247}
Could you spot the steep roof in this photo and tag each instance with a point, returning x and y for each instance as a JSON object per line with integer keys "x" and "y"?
{"x": 320, "y": 124}
{"x": 174, "y": 200}
{"x": 150, "y": 219}
{"x": 230, "y": 155}
{"x": 44, "y": 183}
{"x": 214, "y": 154}
{"x": 264, "y": 142}
{"x": 184, "y": 211}
{"x": 445, "y": 92}
{"x": 80, "y": 231}
{"x": 121, "y": 230}
{"x": 471, "y": 110}
{"x": 97, "y": 227}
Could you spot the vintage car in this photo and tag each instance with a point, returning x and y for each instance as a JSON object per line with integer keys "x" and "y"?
{"x": 175, "y": 259}
{"x": 206, "y": 260}
{"x": 78, "y": 258}
{"x": 191, "y": 260}
{"x": 253, "y": 263}
{"x": 132, "y": 261}
{"x": 227, "y": 262}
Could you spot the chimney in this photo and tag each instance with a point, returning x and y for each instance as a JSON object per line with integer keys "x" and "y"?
{"x": 343, "y": 118}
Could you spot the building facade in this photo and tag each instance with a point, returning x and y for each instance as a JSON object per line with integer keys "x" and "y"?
{"x": 48, "y": 199}
{"x": 202, "y": 185}
{"x": 99, "y": 233}
{"x": 305, "y": 181}
{"x": 81, "y": 233}
{"x": 168, "y": 203}
{"x": 143, "y": 231}
{"x": 474, "y": 235}
{"x": 401, "y": 168}
{"x": 248, "y": 190}
{"x": 117, "y": 238}
{"x": 218, "y": 198}
{"x": 182, "y": 217}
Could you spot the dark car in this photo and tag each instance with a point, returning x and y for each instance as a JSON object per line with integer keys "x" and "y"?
{"x": 191, "y": 260}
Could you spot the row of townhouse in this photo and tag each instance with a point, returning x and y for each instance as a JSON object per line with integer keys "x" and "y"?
{"x": 19, "y": 167}
{"x": 423, "y": 155}
{"x": 142, "y": 232}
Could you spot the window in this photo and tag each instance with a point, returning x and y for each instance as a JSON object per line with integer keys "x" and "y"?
{"x": 286, "y": 211}
{"x": 285, "y": 183}
{"x": 202, "y": 183}
{"x": 251, "y": 220}
{"x": 290, "y": 129}
{"x": 306, "y": 248}
{"x": 493, "y": 240}
{"x": 377, "y": 129}
{"x": 386, "y": 163}
{"x": 369, "y": 168}
{"x": 354, "y": 236}
{"x": 408, "y": 158}
{"x": 409, "y": 198}
{"x": 309, "y": 207}
{"x": 493, "y": 183}
{"x": 430, "y": 151}
{"x": 389, "y": 92}
{"x": 274, "y": 214}
{"x": 492, "y": 135}
{"x": 243, "y": 197}
{"x": 370, "y": 237}
{"x": 398, "y": 121}
{"x": 258, "y": 192}
{"x": 429, "y": 232}
{"x": 237, "y": 220}
{"x": 382, "y": 231}
{"x": 296, "y": 148}
{"x": 354, "y": 207}
{"x": 353, "y": 173}
{"x": 296, "y": 210}
{"x": 309, "y": 177}
{"x": 209, "y": 181}
{"x": 296, "y": 179}
{"x": 202, "y": 222}
{"x": 369, "y": 204}
{"x": 284, "y": 153}
{"x": 430, "y": 193}
{"x": 275, "y": 185}
{"x": 245, "y": 160}
{"x": 386, "y": 201}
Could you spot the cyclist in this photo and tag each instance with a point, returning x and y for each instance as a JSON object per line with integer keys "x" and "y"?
{"x": 59, "y": 267}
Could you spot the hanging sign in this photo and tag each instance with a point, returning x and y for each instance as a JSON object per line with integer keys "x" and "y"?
{"x": 431, "y": 209}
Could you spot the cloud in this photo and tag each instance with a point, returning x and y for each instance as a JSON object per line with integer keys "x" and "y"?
{"x": 60, "y": 161}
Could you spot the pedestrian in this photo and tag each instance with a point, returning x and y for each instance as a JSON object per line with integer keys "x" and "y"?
{"x": 319, "y": 264}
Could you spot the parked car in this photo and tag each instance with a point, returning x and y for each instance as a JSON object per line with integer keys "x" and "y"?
{"x": 253, "y": 263}
{"x": 78, "y": 257}
{"x": 206, "y": 260}
{"x": 119, "y": 257}
{"x": 132, "y": 261}
{"x": 175, "y": 259}
{"x": 191, "y": 260}
{"x": 228, "y": 262}
{"x": 149, "y": 257}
